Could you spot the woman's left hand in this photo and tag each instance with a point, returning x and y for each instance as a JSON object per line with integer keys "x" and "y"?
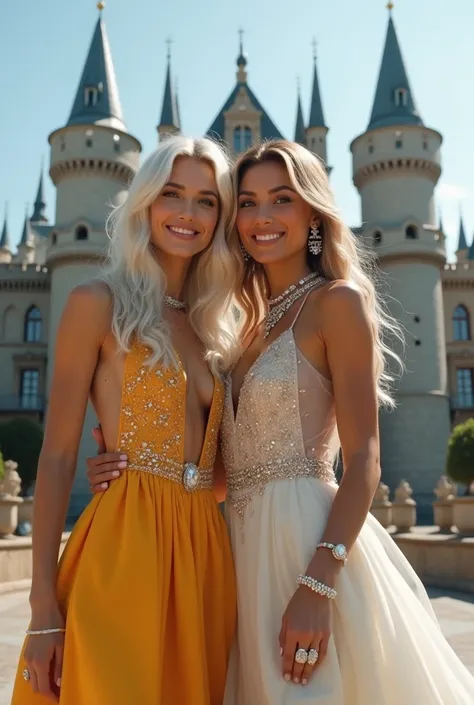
{"x": 306, "y": 625}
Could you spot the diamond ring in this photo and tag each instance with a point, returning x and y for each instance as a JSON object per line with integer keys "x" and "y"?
{"x": 313, "y": 656}
{"x": 301, "y": 656}
{"x": 26, "y": 674}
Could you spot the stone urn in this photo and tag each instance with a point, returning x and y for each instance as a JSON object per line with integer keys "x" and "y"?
{"x": 381, "y": 507}
{"x": 463, "y": 514}
{"x": 11, "y": 484}
{"x": 9, "y": 501}
{"x": 404, "y": 507}
{"x": 445, "y": 492}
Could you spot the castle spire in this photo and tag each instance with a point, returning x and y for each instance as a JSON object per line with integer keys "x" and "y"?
{"x": 169, "y": 121}
{"x": 300, "y": 129}
{"x": 40, "y": 203}
{"x": 316, "y": 116}
{"x": 97, "y": 97}
{"x": 241, "y": 60}
{"x": 462, "y": 240}
{"x": 27, "y": 237}
{"x": 394, "y": 103}
{"x": 5, "y": 242}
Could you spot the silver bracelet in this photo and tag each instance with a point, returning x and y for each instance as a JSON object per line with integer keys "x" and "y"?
{"x": 37, "y": 632}
{"x": 317, "y": 586}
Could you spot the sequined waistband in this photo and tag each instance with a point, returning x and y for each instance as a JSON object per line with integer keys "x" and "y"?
{"x": 252, "y": 480}
{"x": 189, "y": 475}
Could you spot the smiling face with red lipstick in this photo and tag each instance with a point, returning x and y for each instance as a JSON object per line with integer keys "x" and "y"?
{"x": 184, "y": 215}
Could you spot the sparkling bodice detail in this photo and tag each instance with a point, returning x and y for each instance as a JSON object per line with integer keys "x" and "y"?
{"x": 153, "y": 416}
{"x": 284, "y": 425}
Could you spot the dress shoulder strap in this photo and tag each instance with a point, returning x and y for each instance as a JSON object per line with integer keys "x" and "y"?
{"x": 317, "y": 284}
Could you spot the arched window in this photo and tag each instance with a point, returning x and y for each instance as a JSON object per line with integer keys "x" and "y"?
{"x": 81, "y": 232}
{"x": 242, "y": 138}
{"x": 461, "y": 323}
{"x": 33, "y": 325}
{"x": 411, "y": 232}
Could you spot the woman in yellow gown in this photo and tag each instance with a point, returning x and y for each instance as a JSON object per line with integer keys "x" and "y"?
{"x": 142, "y": 610}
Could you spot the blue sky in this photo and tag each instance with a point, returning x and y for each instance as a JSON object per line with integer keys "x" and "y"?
{"x": 43, "y": 46}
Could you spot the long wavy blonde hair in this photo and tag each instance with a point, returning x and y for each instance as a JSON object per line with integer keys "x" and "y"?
{"x": 138, "y": 282}
{"x": 343, "y": 256}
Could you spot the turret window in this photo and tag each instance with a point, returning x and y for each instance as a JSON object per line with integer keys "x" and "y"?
{"x": 401, "y": 97}
{"x": 82, "y": 233}
{"x": 117, "y": 143}
{"x": 242, "y": 138}
{"x": 411, "y": 232}
{"x": 91, "y": 96}
{"x": 33, "y": 325}
{"x": 461, "y": 327}
{"x": 398, "y": 144}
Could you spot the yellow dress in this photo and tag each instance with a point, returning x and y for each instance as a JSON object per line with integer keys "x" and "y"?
{"x": 146, "y": 581}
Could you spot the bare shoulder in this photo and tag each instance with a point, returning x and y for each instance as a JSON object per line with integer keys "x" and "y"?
{"x": 90, "y": 303}
{"x": 342, "y": 300}
{"x": 338, "y": 298}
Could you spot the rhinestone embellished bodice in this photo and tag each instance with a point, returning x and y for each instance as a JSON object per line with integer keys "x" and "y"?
{"x": 284, "y": 425}
{"x": 153, "y": 417}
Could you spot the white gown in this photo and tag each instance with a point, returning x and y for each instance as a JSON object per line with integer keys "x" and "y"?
{"x": 386, "y": 646}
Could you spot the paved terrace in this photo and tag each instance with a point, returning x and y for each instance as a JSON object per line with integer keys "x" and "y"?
{"x": 455, "y": 612}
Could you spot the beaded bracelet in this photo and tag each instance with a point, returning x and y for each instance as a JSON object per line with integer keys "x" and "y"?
{"x": 36, "y": 632}
{"x": 317, "y": 586}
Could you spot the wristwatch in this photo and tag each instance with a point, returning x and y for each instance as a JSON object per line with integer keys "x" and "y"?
{"x": 338, "y": 550}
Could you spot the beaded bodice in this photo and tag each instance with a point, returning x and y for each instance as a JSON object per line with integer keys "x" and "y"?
{"x": 153, "y": 415}
{"x": 285, "y": 422}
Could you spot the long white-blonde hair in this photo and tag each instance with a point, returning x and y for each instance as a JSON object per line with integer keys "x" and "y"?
{"x": 343, "y": 256}
{"x": 136, "y": 280}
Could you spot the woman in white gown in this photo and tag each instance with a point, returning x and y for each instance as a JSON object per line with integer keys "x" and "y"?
{"x": 313, "y": 627}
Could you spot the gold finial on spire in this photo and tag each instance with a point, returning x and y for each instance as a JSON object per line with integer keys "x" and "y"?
{"x": 390, "y": 6}
{"x": 100, "y": 5}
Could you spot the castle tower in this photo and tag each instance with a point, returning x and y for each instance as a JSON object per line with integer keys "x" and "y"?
{"x": 396, "y": 165}
{"x": 5, "y": 242}
{"x": 316, "y": 132}
{"x": 93, "y": 157}
{"x": 169, "y": 122}
{"x": 242, "y": 120}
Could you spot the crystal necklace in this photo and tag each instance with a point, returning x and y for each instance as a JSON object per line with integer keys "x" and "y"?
{"x": 174, "y": 303}
{"x": 282, "y": 304}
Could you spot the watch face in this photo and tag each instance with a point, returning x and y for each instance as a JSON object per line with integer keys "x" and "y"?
{"x": 340, "y": 551}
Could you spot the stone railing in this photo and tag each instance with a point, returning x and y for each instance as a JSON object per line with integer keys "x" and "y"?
{"x": 451, "y": 512}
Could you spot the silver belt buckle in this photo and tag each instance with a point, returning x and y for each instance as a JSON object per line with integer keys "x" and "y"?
{"x": 191, "y": 477}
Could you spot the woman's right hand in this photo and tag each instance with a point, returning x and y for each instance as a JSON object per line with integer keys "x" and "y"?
{"x": 104, "y": 467}
{"x": 44, "y": 655}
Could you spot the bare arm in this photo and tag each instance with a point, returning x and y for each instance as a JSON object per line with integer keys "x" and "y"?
{"x": 350, "y": 349}
{"x": 80, "y": 334}
{"x": 349, "y": 345}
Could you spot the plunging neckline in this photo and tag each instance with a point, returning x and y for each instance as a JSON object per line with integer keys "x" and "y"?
{"x": 235, "y": 409}
{"x": 210, "y": 413}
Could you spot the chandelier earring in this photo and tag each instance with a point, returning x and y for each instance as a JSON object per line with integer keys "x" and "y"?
{"x": 315, "y": 241}
{"x": 245, "y": 254}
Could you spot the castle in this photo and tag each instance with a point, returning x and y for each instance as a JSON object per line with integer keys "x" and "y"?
{"x": 396, "y": 165}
